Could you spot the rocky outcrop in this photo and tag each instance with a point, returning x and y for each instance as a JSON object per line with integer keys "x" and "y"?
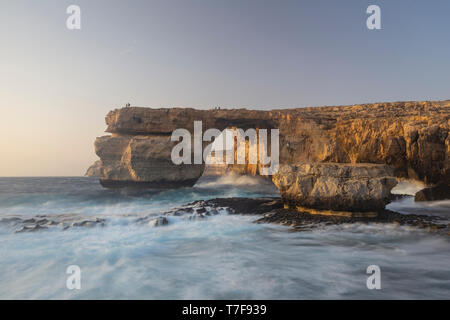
{"x": 142, "y": 161}
{"x": 264, "y": 210}
{"x": 439, "y": 192}
{"x": 337, "y": 187}
{"x": 413, "y": 137}
{"x": 95, "y": 170}
{"x": 26, "y": 223}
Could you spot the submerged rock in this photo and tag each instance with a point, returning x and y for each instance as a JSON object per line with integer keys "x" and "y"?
{"x": 39, "y": 222}
{"x": 337, "y": 187}
{"x": 31, "y": 228}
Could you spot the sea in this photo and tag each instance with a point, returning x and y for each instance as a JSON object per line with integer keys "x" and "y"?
{"x": 223, "y": 256}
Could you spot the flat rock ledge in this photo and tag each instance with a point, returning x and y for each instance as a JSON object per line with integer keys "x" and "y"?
{"x": 265, "y": 210}
{"x": 271, "y": 210}
{"x": 342, "y": 189}
{"x": 304, "y": 221}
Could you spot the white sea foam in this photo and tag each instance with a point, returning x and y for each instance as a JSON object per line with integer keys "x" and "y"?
{"x": 220, "y": 257}
{"x": 408, "y": 205}
{"x": 233, "y": 179}
{"x": 409, "y": 187}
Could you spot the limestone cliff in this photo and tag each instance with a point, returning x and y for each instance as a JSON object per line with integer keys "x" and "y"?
{"x": 413, "y": 137}
{"x": 142, "y": 160}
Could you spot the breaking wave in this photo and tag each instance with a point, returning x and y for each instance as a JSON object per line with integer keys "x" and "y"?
{"x": 409, "y": 187}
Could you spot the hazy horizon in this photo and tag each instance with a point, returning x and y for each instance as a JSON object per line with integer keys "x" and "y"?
{"x": 59, "y": 84}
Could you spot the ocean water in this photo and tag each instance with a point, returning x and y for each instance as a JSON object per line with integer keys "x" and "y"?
{"x": 220, "y": 257}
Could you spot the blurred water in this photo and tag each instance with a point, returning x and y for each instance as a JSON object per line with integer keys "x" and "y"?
{"x": 221, "y": 257}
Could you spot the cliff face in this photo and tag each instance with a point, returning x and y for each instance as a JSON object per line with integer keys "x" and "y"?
{"x": 413, "y": 137}
{"x": 142, "y": 160}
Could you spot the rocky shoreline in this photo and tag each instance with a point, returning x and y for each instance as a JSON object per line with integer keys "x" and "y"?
{"x": 266, "y": 210}
{"x": 273, "y": 211}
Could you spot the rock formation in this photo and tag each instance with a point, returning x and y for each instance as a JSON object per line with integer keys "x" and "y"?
{"x": 95, "y": 170}
{"x": 335, "y": 186}
{"x": 143, "y": 161}
{"x": 413, "y": 137}
{"x": 439, "y": 192}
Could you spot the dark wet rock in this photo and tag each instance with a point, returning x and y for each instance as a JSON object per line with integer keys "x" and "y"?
{"x": 302, "y": 221}
{"x": 272, "y": 211}
{"x": 12, "y": 220}
{"x": 201, "y": 210}
{"x": 197, "y": 210}
{"x": 43, "y": 221}
{"x": 31, "y": 228}
{"x": 62, "y": 221}
{"x": 268, "y": 210}
{"x": 82, "y": 224}
{"x": 158, "y": 222}
{"x": 243, "y": 205}
{"x": 439, "y": 192}
{"x": 88, "y": 223}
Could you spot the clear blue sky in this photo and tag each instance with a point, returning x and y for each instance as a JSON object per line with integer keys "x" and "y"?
{"x": 56, "y": 85}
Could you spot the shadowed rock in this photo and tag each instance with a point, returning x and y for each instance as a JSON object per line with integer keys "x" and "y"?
{"x": 438, "y": 192}
{"x": 95, "y": 170}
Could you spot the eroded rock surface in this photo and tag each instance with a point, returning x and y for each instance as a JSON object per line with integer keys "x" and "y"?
{"x": 413, "y": 137}
{"x": 270, "y": 210}
{"x": 142, "y": 161}
{"x": 21, "y": 223}
{"x": 333, "y": 186}
{"x": 439, "y": 192}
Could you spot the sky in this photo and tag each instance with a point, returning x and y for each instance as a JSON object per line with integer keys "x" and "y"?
{"x": 57, "y": 85}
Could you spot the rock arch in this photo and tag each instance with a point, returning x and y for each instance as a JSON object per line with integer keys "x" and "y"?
{"x": 413, "y": 137}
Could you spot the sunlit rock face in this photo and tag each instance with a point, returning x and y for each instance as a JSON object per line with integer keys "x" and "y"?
{"x": 142, "y": 161}
{"x": 412, "y": 137}
{"x": 332, "y": 186}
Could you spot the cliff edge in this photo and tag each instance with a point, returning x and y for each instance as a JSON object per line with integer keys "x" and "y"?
{"x": 413, "y": 137}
